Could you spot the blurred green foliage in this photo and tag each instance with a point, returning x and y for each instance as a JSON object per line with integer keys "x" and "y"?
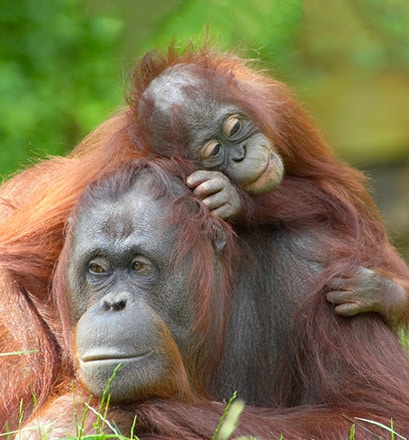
{"x": 268, "y": 28}
{"x": 371, "y": 36}
{"x": 59, "y": 76}
{"x": 62, "y": 63}
{"x": 388, "y": 23}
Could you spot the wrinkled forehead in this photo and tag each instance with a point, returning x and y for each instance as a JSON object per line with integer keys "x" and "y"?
{"x": 135, "y": 213}
{"x": 112, "y": 226}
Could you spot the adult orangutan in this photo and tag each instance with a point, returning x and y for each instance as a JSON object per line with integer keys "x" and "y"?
{"x": 36, "y": 203}
{"x": 139, "y": 284}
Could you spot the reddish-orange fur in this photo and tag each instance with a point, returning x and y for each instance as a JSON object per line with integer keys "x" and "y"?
{"x": 35, "y": 208}
{"x": 330, "y": 192}
{"x": 318, "y": 190}
{"x": 195, "y": 418}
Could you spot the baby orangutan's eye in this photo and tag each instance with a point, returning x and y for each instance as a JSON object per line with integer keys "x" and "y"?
{"x": 211, "y": 149}
{"x": 231, "y": 126}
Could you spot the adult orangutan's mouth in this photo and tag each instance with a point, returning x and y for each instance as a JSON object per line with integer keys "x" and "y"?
{"x": 104, "y": 355}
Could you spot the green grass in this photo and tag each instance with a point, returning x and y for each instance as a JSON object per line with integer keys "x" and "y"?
{"x": 105, "y": 429}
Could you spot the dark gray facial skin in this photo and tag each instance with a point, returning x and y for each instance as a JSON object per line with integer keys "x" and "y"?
{"x": 130, "y": 301}
{"x": 187, "y": 109}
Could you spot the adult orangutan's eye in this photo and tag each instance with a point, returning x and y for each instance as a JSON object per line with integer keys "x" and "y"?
{"x": 98, "y": 266}
{"x": 138, "y": 265}
{"x": 211, "y": 149}
{"x": 95, "y": 268}
{"x": 231, "y": 126}
{"x": 141, "y": 265}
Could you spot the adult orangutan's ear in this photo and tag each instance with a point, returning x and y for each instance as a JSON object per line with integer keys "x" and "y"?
{"x": 219, "y": 239}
